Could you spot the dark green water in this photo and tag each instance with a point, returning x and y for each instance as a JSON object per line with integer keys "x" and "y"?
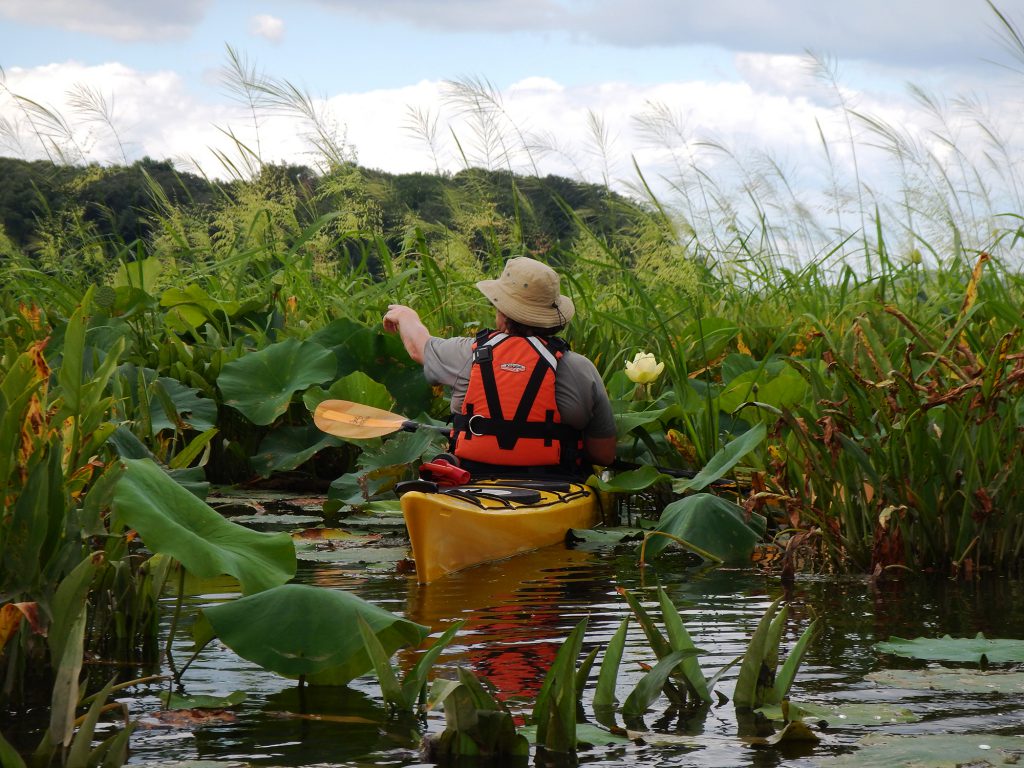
{"x": 519, "y": 611}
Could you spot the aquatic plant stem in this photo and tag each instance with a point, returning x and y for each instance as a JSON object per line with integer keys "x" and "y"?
{"x": 168, "y": 651}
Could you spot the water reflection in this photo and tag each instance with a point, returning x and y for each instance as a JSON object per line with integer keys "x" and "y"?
{"x": 517, "y": 614}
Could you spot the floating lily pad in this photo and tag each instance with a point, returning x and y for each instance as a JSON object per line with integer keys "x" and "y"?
{"x": 978, "y": 649}
{"x": 354, "y": 556}
{"x": 275, "y": 521}
{"x": 939, "y": 750}
{"x": 586, "y": 734}
{"x": 336, "y": 536}
{"x": 968, "y": 681}
{"x": 848, "y": 713}
{"x": 172, "y": 700}
{"x": 795, "y": 730}
{"x": 597, "y": 539}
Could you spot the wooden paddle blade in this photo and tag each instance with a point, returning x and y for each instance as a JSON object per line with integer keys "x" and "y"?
{"x": 355, "y": 421}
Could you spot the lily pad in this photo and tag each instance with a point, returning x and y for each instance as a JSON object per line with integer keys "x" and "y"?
{"x": 587, "y": 734}
{"x": 935, "y": 750}
{"x": 173, "y": 700}
{"x": 850, "y": 713}
{"x": 966, "y": 681}
{"x": 302, "y": 631}
{"x": 351, "y": 556}
{"x": 978, "y": 649}
{"x": 600, "y": 539}
{"x": 261, "y": 384}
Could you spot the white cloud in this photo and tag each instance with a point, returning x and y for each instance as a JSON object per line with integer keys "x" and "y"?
{"x": 268, "y": 27}
{"x": 895, "y": 31}
{"x": 115, "y": 19}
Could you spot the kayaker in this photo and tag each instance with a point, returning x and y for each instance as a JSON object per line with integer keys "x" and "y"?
{"x": 519, "y": 396}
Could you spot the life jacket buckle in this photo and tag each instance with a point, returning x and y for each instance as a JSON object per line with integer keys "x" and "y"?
{"x": 469, "y": 424}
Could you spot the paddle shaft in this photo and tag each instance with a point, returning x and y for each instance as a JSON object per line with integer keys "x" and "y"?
{"x": 623, "y": 465}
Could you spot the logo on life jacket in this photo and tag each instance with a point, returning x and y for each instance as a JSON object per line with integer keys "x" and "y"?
{"x": 513, "y": 367}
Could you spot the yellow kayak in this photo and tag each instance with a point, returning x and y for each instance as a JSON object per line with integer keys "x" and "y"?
{"x": 454, "y": 528}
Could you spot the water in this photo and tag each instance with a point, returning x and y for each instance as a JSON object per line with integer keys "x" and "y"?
{"x": 519, "y": 611}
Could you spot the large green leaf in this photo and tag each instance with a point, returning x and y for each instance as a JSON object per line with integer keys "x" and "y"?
{"x": 194, "y": 410}
{"x": 706, "y": 338}
{"x": 191, "y": 307}
{"x": 757, "y": 662}
{"x": 604, "y": 692}
{"x": 297, "y": 630}
{"x": 171, "y": 520}
{"x": 356, "y": 387}
{"x": 262, "y": 383}
{"x": 970, "y": 649}
{"x": 726, "y": 458}
{"x": 555, "y": 709}
{"x": 626, "y": 419}
{"x": 630, "y": 481}
{"x": 709, "y": 524}
{"x": 781, "y": 390}
{"x": 288, "y": 447}
{"x": 361, "y": 348}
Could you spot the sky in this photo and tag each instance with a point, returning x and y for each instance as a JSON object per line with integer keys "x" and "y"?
{"x": 591, "y": 89}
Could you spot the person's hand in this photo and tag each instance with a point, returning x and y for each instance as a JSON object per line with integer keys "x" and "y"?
{"x": 396, "y": 315}
{"x": 404, "y": 321}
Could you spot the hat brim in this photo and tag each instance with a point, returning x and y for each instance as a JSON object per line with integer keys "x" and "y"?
{"x": 538, "y": 316}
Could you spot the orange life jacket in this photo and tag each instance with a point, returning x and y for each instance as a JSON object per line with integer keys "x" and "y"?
{"x": 509, "y": 415}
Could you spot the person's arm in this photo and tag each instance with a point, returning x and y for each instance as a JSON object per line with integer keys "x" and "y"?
{"x": 414, "y": 334}
{"x": 600, "y": 450}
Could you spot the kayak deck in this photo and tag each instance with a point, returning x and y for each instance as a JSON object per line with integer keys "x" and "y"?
{"x": 455, "y": 528}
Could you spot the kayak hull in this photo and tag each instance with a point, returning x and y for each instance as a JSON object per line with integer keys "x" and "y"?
{"x": 454, "y": 529}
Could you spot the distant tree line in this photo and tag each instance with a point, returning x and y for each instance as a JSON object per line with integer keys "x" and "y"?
{"x": 125, "y": 205}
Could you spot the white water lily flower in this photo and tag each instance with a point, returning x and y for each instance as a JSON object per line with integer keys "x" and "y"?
{"x": 644, "y": 369}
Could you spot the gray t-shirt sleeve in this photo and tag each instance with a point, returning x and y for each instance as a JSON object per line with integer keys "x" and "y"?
{"x": 582, "y": 398}
{"x": 447, "y": 362}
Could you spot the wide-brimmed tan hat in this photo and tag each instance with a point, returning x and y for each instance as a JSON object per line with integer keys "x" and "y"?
{"x": 529, "y": 293}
